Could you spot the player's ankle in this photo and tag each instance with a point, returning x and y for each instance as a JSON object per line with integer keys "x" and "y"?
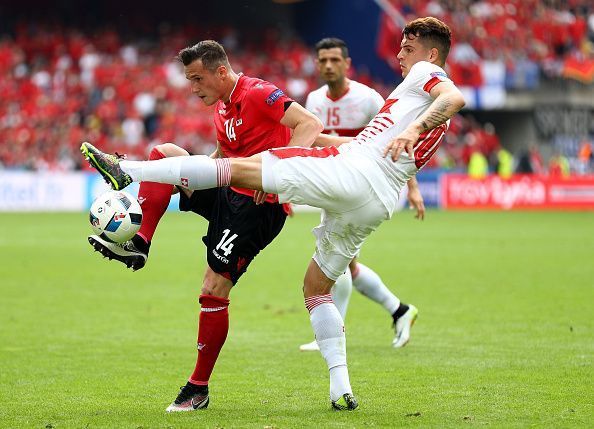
{"x": 141, "y": 243}
{"x": 402, "y": 308}
{"x": 201, "y": 389}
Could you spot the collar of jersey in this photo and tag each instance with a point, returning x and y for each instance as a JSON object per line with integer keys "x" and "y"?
{"x": 239, "y": 76}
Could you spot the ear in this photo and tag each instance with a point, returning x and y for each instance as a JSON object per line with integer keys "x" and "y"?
{"x": 348, "y": 62}
{"x": 222, "y": 72}
{"x": 433, "y": 55}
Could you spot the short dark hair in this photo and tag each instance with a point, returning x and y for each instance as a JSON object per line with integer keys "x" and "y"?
{"x": 333, "y": 42}
{"x": 432, "y": 33}
{"x": 211, "y": 53}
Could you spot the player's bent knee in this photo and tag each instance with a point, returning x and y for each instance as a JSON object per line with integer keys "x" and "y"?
{"x": 216, "y": 285}
{"x": 170, "y": 149}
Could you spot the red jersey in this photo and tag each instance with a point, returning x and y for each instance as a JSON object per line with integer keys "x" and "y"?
{"x": 250, "y": 122}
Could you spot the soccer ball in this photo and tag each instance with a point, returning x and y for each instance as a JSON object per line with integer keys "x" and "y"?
{"x": 115, "y": 216}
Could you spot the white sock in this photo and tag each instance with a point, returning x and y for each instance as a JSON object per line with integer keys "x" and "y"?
{"x": 341, "y": 293}
{"x": 370, "y": 284}
{"x": 328, "y": 328}
{"x": 192, "y": 172}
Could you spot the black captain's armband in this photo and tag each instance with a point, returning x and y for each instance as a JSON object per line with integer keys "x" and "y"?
{"x": 287, "y": 104}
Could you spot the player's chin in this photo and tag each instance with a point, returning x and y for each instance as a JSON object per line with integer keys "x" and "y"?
{"x": 209, "y": 101}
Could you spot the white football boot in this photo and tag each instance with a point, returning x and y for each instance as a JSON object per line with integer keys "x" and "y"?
{"x": 310, "y": 347}
{"x": 403, "y": 325}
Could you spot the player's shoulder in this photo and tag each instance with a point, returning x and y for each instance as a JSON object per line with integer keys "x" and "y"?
{"x": 360, "y": 89}
{"x": 259, "y": 89}
{"x": 424, "y": 68}
{"x": 319, "y": 93}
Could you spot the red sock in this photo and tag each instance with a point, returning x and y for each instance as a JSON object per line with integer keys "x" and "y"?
{"x": 154, "y": 199}
{"x": 212, "y": 333}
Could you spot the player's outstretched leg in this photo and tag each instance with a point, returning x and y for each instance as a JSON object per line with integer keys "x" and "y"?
{"x": 107, "y": 165}
{"x": 190, "y": 398}
{"x": 404, "y": 319}
{"x": 132, "y": 253}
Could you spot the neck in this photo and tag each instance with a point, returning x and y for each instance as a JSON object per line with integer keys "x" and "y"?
{"x": 339, "y": 88}
{"x": 230, "y": 86}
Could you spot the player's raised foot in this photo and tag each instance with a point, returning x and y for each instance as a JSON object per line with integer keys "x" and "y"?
{"x": 107, "y": 165}
{"x": 310, "y": 347}
{"x": 132, "y": 253}
{"x": 403, "y": 325}
{"x": 346, "y": 402}
{"x": 190, "y": 398}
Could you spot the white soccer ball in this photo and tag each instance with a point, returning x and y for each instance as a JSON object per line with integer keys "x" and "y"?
{"x": 115, "y": 216}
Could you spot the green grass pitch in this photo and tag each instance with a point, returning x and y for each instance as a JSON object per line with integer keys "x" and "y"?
{"x": 505, "y": 335}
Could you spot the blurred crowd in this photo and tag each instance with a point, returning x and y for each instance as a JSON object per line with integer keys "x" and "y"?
{"x": 516, "y": 41}
{"x": 60, "y": 86}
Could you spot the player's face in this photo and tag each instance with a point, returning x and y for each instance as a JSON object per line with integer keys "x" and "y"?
{"x": 207, "y": 85}
{"x": 411, "y": 52}
{"x": 332, "y": 66}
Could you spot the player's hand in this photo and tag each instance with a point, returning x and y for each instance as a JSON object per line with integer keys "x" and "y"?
{"x": 260, "y": 197}
{"x": 415, "y": 201}
{"x": 404, "y": 141}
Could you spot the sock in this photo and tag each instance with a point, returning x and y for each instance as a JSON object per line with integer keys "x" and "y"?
{"x": 341, "y": 293}
{"x": 154, "y": 199}
{"x": 212, "y": 333}
{"x": 402, "y": 308}
{"x": 195, "y": 388}
{"x": 370, "y": 284}
{"x": 328, "y": 328}
{"x": 192, "y": 172}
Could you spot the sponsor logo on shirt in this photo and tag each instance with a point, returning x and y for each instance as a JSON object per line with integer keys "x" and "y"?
{"x": 274, "y": 96}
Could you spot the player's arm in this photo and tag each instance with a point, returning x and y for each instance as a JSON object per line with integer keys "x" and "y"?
{"x": 415, "y": 199}
{"x": 447, "y": 101}
{"x": 328, "y": 140}
{"x": 305, "y": 125}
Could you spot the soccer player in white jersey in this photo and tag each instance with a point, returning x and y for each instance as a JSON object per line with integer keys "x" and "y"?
{"x": 357, "y": 184}
{"x": 345, "y": 107}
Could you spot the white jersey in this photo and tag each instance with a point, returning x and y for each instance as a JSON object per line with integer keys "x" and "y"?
{"x": 406, "y": 103}
{"x": 347, "y": 115}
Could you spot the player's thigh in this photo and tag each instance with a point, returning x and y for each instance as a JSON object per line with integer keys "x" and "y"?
{"x": 238, "y": 230}
{"x": 201, "y": 202}
{"x": 328, "y": 183}
{"x": 340, "y": 235}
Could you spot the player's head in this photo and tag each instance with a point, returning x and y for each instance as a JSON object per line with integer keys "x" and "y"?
{"x": 424, "y": 39}
{"x": 332, "y": 59}
{"x": 207, "y": 68}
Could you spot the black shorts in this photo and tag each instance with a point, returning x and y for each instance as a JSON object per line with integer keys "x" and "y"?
{"x": 237, "y": 228}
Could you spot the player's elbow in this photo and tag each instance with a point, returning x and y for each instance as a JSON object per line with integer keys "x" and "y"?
{"x": 458, "y": 101}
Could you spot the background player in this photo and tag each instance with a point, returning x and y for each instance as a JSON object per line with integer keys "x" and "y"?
{"x": 345, "y": 107}
{"x": 357, "y": 184}
{"x": 250, "y": 115}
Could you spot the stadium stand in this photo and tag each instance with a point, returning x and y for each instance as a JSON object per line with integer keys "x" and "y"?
{"x": 60, "y": 85}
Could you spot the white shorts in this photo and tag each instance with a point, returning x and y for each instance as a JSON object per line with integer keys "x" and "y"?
{"x": 324, "y": 178}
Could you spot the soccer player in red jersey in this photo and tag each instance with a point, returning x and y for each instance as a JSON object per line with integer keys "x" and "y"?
{"x": 251, "y": 115}
{"x": 357, "y": 184}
